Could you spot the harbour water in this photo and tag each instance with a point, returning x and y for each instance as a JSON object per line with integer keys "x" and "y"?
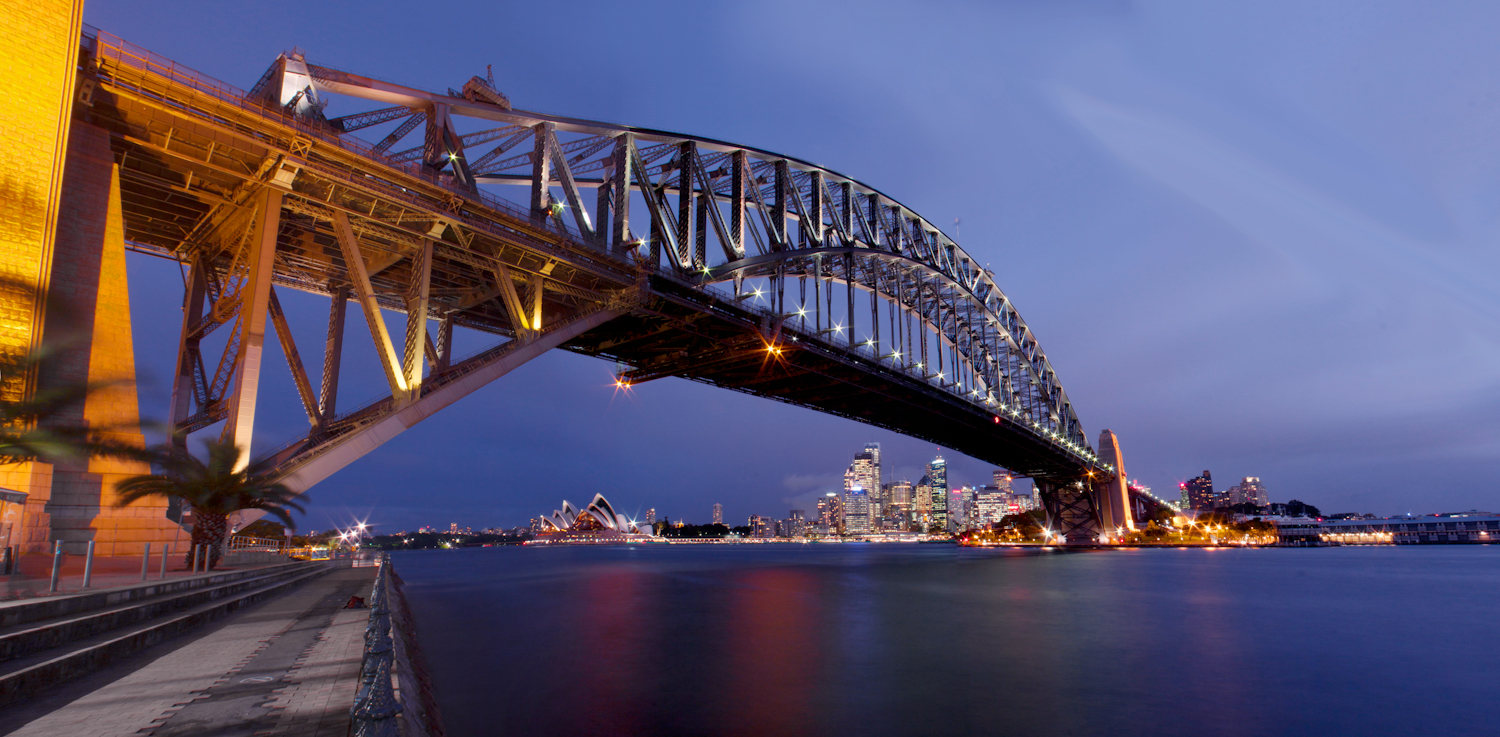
{"x": 862, "y": 639}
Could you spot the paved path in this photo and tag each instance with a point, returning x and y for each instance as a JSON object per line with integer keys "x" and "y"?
{"x": 287, "y": 666}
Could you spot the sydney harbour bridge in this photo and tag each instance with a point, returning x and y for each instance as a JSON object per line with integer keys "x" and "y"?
{"x": 670, "y": 255}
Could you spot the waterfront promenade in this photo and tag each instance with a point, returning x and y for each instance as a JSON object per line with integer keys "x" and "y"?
{"x": 287, "y": 666}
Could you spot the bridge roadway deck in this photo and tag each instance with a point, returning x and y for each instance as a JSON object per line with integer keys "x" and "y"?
{"x": 288, "y": 666}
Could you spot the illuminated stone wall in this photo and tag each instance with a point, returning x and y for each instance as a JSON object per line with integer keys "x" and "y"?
{"x": 63, "y": 283}
{"x": 36, "y": 84}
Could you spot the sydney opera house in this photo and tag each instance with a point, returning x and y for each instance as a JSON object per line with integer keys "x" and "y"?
{"x": 596, "y": 523}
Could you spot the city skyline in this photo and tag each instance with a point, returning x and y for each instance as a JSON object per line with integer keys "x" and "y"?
{"x": 1213, "y": 180}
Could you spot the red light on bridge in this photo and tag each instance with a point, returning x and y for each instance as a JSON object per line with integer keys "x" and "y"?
{"x": 997, "y": 419}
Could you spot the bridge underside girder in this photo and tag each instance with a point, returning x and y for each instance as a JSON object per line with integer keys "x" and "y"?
{"x": 695, "y": 335}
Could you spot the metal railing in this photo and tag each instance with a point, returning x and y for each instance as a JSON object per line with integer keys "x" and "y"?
{"x": 247, "y": 544}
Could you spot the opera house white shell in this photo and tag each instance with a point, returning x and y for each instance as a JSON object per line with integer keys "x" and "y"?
{"x": 598, "y": 522}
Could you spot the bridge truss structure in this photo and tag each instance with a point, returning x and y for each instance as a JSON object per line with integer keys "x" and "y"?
{"x": 671, "y": 255}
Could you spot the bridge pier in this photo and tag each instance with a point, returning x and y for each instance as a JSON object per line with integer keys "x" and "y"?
{"x": 62, "y": 253}
{"x": 1092, "y": 509}
{"x": 1072, "y": 510}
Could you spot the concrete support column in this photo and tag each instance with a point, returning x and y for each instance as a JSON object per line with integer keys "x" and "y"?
{"x": 254, "y": 304}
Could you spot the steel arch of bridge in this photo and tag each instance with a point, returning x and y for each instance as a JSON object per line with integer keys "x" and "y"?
{"x": 259, "y": 187}
{"x": 814, "y": 223}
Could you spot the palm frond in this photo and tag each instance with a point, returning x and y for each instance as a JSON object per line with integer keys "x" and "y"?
{"x": 212, "y": 486}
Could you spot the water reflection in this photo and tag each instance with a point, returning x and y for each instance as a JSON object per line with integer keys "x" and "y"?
{"x": 893, "y": 640}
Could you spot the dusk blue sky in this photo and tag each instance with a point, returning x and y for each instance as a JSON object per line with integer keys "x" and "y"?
{"x": 1256, "y": 238}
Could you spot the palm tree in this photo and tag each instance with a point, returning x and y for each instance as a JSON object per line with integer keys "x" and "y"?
{"x": 33, "y": 427}
{"x": 214, "y": 490}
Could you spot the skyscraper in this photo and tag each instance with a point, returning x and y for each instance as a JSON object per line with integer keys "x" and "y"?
{"x": 921, "y": 503}
{"x": 968, "y": 518}
{"x": 901, "y": 498}
{"x": 857, "y": 512}
{"x": 831, "y": 512}
{"x": 1249, "y": 491}
{"x": 1200, "y": 492}
{"x": 1255, "y": 491}
{"x": 937, "y": 472}
{"x": 718, "y": 514}
{"x": 864, "y": 473}
{"x": 651, "y": 515}
{"x": 874, "y": 450}
{"x": 990, "y": 506}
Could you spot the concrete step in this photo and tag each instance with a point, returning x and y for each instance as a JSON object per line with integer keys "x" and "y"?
{"x": 32, "y": 637}
{"x": 22, "y": 677}
{"x": 14, "y": 613}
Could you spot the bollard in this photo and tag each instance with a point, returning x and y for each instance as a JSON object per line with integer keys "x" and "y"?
{"x": 56, "y": 565}
{"x": 164, "y": 550}
{"x": 88, "y": 565}
{"x": 146, "y": 563}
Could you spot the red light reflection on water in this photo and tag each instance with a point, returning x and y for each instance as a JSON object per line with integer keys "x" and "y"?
{"x": 773, "y": 653}
{"x": 609, "y": 650}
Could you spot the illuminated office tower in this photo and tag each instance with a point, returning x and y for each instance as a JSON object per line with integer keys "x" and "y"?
{"x": 937, "y": 472}
{"x": 969, "y": 519}
{"x": 879, "y": 478}
{"x": 990, "y": 506}
{"x": 831, "y": 512}
{"x": 921, "y": 503}
{"x": 856, "y": 512}
{"x": 1249, "y": 491}
{"x": 718, "y": 514}
{"x": 1200, "y": 492}
{"x": 651, "y": 516}
{"x": 901, "y": 503}
{"x": 864, "y": 473}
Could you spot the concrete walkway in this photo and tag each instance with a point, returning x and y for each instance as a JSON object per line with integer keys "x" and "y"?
{"x": 288, "y": 666}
